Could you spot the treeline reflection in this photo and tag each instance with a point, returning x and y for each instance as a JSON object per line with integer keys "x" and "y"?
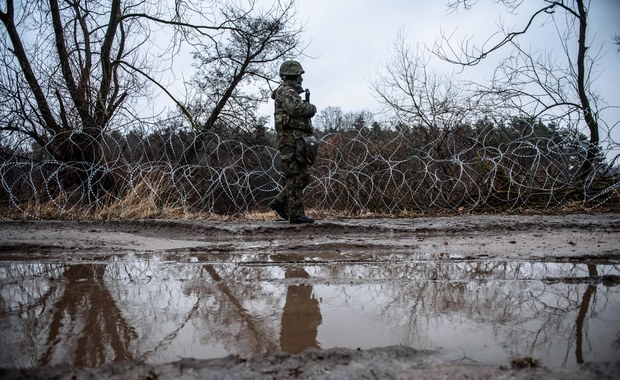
{"x": 159, "y": 309}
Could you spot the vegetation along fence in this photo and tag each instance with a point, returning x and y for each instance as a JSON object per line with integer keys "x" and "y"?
{"x": 396, "y": 171}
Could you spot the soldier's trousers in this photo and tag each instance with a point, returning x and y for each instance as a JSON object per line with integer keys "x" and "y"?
{"x": 297, "y": 177}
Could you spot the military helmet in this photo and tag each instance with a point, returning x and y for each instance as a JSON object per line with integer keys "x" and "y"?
{"x": 291, "y": 68}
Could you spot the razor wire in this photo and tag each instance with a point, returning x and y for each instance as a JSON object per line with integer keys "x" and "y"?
{"x": 356, "y": 172}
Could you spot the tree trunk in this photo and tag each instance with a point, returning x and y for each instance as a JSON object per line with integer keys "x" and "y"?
{"x": 587, "y": 167}
{"x": 215, "y": 114}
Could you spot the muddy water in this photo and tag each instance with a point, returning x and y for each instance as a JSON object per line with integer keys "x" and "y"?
{"x": 162, "y": 307}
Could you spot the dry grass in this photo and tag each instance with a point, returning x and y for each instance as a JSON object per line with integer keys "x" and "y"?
{"x": 146, "y": 210}
{"x": 152, "y": 199}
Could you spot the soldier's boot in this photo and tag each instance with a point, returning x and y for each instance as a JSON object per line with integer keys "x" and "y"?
{"x": 278, "y": 207}
{"x": 301, "y": 219}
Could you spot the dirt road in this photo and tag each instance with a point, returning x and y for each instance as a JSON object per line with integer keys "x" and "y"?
{"x": 593, "y": 239}
{"x": 528, "y": 237}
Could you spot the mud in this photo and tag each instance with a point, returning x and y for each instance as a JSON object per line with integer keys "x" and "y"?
{"x": 502, "y": 296}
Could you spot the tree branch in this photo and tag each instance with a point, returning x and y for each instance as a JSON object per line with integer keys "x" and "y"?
{"x": 472, "y": 60}
{"x": 172, "y": 97}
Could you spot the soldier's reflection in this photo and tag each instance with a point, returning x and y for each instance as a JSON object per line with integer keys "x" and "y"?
{"x": 301, "y": 316}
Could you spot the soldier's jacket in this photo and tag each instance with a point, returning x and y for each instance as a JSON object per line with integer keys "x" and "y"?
{"x": 291, "y": 112}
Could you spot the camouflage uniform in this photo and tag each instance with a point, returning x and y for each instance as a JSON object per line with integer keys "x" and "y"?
{"x": 292, "y": 121}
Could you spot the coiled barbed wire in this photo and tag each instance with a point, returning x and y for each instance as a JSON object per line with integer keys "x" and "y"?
{"x": 357, "y": 172}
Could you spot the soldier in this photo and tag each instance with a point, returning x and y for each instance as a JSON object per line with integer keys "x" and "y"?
{"x": 296, "y": 144}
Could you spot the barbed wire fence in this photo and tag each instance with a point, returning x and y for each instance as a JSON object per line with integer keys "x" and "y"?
{"x": 357, "y": 172}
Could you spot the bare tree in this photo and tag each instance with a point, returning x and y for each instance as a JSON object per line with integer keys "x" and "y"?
{"x": 74, "y": 66}
{"x": 330, "y": 119}
{"x": 234, "y": 74}
{"x": 418, "y": 95}
{"x": 334, "y": 119}
{"x": 533, "y": 83}
{"x": 73, "y": 69}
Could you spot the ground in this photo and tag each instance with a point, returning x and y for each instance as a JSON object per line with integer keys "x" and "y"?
{"x": 585, "y": 236}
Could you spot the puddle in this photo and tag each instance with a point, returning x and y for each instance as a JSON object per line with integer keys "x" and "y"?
{"x": 160, "y": 308}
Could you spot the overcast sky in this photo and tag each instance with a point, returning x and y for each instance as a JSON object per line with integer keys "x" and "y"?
{"x": 351, "y": 40}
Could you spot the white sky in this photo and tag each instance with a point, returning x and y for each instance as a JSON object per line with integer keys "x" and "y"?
{"x": 351, "y": 40}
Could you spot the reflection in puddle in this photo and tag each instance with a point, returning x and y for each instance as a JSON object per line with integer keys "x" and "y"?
{"x": 301, "y": 315}
{"x": 162, "y": 308}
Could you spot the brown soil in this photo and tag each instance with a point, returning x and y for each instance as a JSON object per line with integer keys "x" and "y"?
{"x": 532, "y": 237}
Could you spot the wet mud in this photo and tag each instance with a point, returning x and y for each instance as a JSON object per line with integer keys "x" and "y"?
{"x": 481, "y": 296}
